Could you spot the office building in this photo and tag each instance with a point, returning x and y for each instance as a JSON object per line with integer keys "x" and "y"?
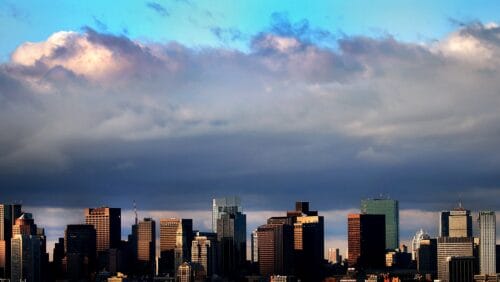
{"x": 231, "y": 235}
{"x": 366, "y": 241}
{"x": 24, "y": 225}
{"x": 176, "y": 236}
{"x": 415, "y": 242}
{"x": 426, "y": 257}
{"x": 451, "y": 247}
{"x": 185, "y": 273}
{"x": 275, "y": 249}
{"x": 456, "y": 223}
{"x": 254, "y": 247}
{"x": 8, "y": 216}
{"x": 203, "y": 255}
{"x": 487, "y": 239}
{"x": 107, "y": 224}
{"x": 229, "y": 205}
{"x": 389, "y": 208}
{"x": 487, "y": 278}
{"x": 25, "y": 258}
{"x": 146, "y": 246}
{"x": 80, "y": 249}
{"x": 460, "y": 269}
{"x": 334, "y": 255}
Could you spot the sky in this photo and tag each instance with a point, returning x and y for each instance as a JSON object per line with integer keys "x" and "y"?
{"x": 172, "y": 103}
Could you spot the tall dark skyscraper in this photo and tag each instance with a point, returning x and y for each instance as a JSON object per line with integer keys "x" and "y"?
{"x": 309, "y": 241}
{"x": 231, "y": 234}
{"x": 275, "y": 252}
{"x": 176, "y": 237}
{"x": 366, "y": 241}
{"x": 426, "y": 256}
{"x": 107, "y": 223}
{"x": 460, "y": 269}
{"x": 389, "y": 208}
{"x": 80, "y": 249}
{"x": 146, "y": 245}
{"x": 8, "y": 216}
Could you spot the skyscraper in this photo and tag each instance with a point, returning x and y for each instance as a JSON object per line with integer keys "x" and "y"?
{"x": 426, "y": 257}
{"x": 254, "y": 247}
{"x": 146, "y": 245}
{"x": 8, "y": 216}
{"x": 231, "y": 235}
{"x": 366, "y": 241}
{"x": 389, "y": 208}
{"x": 452, "y": 247}
{"x": 25, "y": 258}
{"x": 415, "y": 242}
{"x": 176, "y": 236}
{"x": 275, "y": 249}
{"x": 80, "y": 249}
{"x": 203, "y": 256}
{"x": 107, "y": 223}
{"x": 229, "y": 205}
{"x": 456, "y": 223}
{"x": 487, "y": 251}
{"x": 460, "y": 269}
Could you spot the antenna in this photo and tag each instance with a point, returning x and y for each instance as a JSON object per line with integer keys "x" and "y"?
{"x": 135, "y": 212}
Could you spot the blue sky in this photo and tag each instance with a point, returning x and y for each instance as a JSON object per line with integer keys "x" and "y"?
{"x": 171, "y": 103}
{"x": 192, "y": 22}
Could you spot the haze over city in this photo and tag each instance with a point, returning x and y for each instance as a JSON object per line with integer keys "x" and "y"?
{"x": 173, "y": 103}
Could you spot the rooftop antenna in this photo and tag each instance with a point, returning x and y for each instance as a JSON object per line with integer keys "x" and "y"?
{"x": 460, "y": 200}
{"x": 135, "y": 212}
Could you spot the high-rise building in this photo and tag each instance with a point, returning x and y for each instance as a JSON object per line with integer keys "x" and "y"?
{"x": 146, "y": 245}
{"x": 366, "y": 241}
{"x": 25, "y": 258}
{"x": 334, "y": 255}
{"x": 426, "y": 257}
{"x": 80, "y": 249}
{"x": 176, "y": 236}
{"x": 254, "y": 247}
{"x": 275, "y": 249}
{"x": 231, "y": 236}
{"x": 24, "y": 225}
{"x": 444, "y": 223}
{"x": 487, "y": 251}
{"x": 8, "y": 216}
{"x": 460, "y": 269}
{"x": 452, "y": 247}
{"x": 389, "y": 208}
{"x": 309, "y": 241}
{"x": 415, "y": 242}
{"x": 185, "y": 272}
{"x": 203, "y": 255}
{"x": 107, "y": 223}
{"x": 230, "y": 205}
{"x": 456, "y": 223}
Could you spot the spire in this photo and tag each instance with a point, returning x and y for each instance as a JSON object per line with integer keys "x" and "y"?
{"x": 135, "y": 212}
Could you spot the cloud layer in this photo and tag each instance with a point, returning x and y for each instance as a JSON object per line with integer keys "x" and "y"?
{"x": 88, "y": 116}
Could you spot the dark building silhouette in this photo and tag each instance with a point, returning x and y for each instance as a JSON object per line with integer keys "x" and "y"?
{"x": 427, "y": 257}
{"x": 460, "y": 269}
{"x": 8, "y": 216}
{"x": 231, "y": 236}
{"x": 80, "y": 249}
{"x": 57, "y": 260}
{"x": 366, "y": 241}
{"x": 275, "y": 253}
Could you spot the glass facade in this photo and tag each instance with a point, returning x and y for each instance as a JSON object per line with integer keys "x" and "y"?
{"x": 389, "y": 208}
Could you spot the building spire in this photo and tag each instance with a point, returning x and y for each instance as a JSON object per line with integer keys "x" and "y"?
{"x": 135, "y": 213}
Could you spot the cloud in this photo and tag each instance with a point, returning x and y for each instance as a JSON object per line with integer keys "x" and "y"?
{"x": 227, "y": 35}
{"x": 290, "y": 118}
{"x": 158, "y": 8}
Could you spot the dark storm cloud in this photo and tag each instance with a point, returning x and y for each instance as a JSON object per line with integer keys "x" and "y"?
{"x": 93, "y": 118}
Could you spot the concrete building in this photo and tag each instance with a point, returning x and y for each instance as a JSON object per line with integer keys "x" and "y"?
{"x": 275, "y": 249}
{"x": 146, "y": 246}
{"x": 8, "y": 216}
{"x": 460, "y": 269}
{"x": 204, "y": 256}
{"x": 452, "y": 247}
